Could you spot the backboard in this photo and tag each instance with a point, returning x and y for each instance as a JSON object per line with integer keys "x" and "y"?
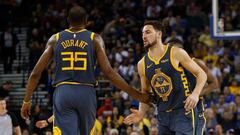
{"x": 217, "y": 25}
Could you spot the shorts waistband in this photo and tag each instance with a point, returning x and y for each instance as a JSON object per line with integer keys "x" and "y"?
{"x": 74, "y": 83}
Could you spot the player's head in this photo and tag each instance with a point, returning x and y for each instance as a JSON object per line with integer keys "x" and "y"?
{"x": 152, "y": 33}
{"x": 77, "y": 16}
{"x": 175, "y": 42}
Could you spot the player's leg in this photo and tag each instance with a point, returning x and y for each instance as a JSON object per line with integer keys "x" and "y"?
{"x": 201, "y": 118}
{"x": 65, "y": 122}
{"x": 163, "y": 123}
{"x": 200, "y": 124}
{"x": 163, "y": 130}
{"x": 185, "y": 122}
{"x": 86, "y": 107}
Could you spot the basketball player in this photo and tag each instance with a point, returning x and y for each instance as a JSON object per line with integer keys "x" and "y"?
{"x": 159, "y": 70}
{"x": 75, "y": 52}
{"x": 212, "y": 84}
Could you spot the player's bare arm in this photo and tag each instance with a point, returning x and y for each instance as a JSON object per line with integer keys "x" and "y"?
{"x": 36, "y": 75}
{"x": 114, "y": 77}
{"x": 181, "y": 57}
{"x": 212, "y": 82}
{"x": 138, "y": 115}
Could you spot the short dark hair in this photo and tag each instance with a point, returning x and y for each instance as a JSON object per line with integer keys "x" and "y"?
{"x": 2, "y": 98}
{"x": 157, "y": 25}
{"x": 77, "y": 15}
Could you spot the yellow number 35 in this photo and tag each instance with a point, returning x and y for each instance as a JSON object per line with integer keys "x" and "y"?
{"x": 73, "y": 57}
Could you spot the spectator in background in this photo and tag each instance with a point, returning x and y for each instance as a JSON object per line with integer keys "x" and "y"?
{"x": 153, "y": 10}
{"x": 25, "y": 131}
{"x": 219, "y": 130}
{"x": 8, "y": 43}
{"x": 221, "y": 104}
{"x": 126, "y": 70}
{"x": 174, "y": 35}
{"x": 114, "y": 132}
{"x": 205, "y": 38}
{"x": 8, "y": 121}
{"x": 107, "y": 109}
{"x": 180, "y": 25}
{"x": 234, "y": 87}
{"x": 229, "y": 97}
{"x": 36, "y": 47}
{"x": 237, "y": 74}
{"x": 227, "y": 120}
{"x": 154, "y": 131}
{"x": 237, "y": 112}
{"x": 211, "y": 131}
{"x": 230, "y": 132}
{"x": 117, "y": 119}
{"x": 5, "y": 89}
{"x": 138, "y": 53}
{"x": 211, "y": 118}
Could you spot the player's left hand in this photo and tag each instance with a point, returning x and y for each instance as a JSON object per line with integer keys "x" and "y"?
{"x": 191, "y": 101}
{"x": 25, "y": 110}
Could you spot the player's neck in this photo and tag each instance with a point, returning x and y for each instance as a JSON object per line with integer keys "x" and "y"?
{"x": 158, "y": 47}
{"x": 156, "y": 50}
{"x": 76, "y": 27}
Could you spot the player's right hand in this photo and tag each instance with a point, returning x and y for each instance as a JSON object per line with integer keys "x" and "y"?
{"x": 41, "y": 124}
{"x": 191, "y": 101}
{"x": 25, "y": 110}
{"x": 134, "y": 117}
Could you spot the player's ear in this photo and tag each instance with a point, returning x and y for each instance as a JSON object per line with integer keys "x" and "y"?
{"x": 160, "y": 33}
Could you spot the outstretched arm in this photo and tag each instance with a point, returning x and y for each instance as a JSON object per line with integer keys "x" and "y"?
{"x": 211, "y": 80}
{"x": 36, "y": 74}
{"x": 114, "y": 77}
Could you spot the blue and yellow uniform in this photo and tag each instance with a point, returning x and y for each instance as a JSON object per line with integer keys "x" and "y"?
{"x": 170, "y": 85}
{"x": 200, "y": 105}
{"x": 75, "y": 97}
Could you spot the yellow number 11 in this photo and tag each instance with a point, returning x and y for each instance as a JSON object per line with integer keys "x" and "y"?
{"x": 74, "y": 57}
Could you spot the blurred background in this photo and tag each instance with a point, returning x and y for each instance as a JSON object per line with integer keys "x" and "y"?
{"x": 26, "y": 25}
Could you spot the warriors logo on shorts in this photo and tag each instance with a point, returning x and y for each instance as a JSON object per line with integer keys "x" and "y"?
{"x": 162, "y": 84}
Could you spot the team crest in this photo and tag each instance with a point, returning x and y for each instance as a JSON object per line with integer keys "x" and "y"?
{"x": 162, "y": 84}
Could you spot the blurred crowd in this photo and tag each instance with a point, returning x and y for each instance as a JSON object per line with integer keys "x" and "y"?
{"x": 120, "y": 23}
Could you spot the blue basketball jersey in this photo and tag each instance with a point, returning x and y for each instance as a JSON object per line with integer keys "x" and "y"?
{"x": 75, "y": 58}
{"x": 169, "y": 83}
